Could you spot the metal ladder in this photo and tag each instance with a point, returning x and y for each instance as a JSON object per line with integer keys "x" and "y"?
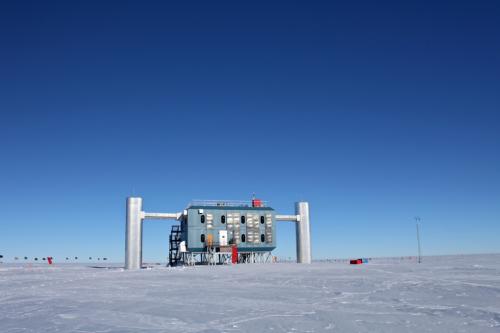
{"x": 174, "y": 257}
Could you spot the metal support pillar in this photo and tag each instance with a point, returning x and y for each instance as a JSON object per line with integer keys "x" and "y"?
{"x": 303, "y": 233}
{"x": 133, "y": 236}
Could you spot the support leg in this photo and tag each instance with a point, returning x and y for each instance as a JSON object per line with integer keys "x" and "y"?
{"x": 303, "y": 233}
{"x": 133, "y": 236}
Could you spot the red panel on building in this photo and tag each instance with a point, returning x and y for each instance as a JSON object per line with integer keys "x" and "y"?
{"x": 256, "y": 203}
{"x": 234, "y": 255}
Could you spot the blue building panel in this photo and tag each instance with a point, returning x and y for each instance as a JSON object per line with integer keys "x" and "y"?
{"x": 249, "y": 228}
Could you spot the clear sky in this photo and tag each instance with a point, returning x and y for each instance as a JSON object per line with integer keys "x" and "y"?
{"x": 373, "y": 111}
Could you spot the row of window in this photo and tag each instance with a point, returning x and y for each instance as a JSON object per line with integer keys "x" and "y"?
{"x": 243, "y": 238}
{"x": 223, "y": 219}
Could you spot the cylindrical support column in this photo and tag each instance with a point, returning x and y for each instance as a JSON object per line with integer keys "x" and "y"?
{"x": 303, "y": 233}
{"x": 133, "y": 236}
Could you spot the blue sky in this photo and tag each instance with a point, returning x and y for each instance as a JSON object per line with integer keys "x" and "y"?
{"x": 374, "y": 112}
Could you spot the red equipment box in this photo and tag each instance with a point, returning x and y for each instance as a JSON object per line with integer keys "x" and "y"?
{"x": 256, "y": 203}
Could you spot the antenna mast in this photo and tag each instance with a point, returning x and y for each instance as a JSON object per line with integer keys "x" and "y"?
{"x": 417, "y": 222}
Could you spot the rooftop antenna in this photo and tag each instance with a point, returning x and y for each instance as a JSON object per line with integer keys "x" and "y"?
{"x": 417, "y": 222}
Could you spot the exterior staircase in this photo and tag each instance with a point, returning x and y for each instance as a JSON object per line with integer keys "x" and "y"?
{"x": 174, "y": 254}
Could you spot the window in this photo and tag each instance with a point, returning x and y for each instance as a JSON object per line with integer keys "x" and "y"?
{"x": 223, "y": 219}
{"x": 243, "y": 238}
{"x": 262, "y": 220}
{"x": 243, "y": 220}
{"x": 202, "y": 238}
{"x": 262, "y": 238}
{"x": 203, "y": 219}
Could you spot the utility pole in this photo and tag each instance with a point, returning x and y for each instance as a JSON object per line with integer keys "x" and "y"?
{"x": 417, "y": 222}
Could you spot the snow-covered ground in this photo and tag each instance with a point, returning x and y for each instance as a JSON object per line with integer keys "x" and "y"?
{"x": 443, "y": 294}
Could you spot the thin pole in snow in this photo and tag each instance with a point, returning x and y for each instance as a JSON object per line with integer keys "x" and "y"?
{"x": 417, "y": 222}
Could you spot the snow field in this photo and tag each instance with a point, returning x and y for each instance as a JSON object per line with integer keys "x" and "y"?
{"x": 443, "y": 294}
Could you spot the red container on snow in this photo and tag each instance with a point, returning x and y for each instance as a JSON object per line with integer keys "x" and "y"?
{"x": 356, "y": 262}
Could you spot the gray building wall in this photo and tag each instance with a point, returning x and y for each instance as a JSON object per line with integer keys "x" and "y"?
{"x": 253, "y": 228}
